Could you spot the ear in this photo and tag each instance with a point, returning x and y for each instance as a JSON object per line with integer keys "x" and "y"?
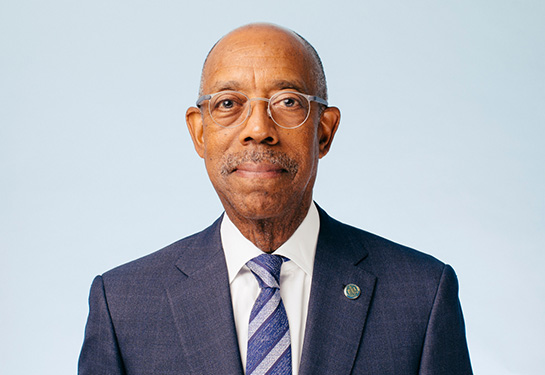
{"x": 329, "y": 122}
{"x": 194, "y": 120}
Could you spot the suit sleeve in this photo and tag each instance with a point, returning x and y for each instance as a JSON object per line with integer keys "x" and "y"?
{"x": 100, "y": 352}
{"x": 445, "y": 349}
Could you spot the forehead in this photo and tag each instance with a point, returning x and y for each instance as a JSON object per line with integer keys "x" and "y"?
{"x": 261, "y": 60}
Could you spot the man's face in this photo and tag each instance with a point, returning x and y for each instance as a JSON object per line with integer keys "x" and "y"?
{"x": 259, "y": 170}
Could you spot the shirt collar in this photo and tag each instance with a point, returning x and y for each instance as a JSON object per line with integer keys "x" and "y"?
{"x": 299, "y": 248}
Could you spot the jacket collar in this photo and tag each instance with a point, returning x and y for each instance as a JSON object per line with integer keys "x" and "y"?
{"x": 200, "y": 300}
{"x": 335, "y": 323}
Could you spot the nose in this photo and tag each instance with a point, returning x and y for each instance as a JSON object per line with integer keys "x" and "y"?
{"x": 259, "y": 127}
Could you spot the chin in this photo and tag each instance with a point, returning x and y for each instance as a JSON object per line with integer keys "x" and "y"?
{"x": 262, "y": 209}
{"x": 260, "y": 206}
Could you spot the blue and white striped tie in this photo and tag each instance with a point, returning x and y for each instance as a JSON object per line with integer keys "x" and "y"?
{"x": 269, "y": 344}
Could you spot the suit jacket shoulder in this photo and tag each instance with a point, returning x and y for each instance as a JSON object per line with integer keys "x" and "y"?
{"x": 406, "y": 319}
{"x": 169, "y": 312}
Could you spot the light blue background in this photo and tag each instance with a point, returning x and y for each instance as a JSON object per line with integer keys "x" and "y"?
{"x": 440, "y": 148}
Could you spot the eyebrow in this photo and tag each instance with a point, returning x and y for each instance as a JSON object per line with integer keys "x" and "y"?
{"x": 291, "y": 84}
{"x": 226, "y": 85}
{"x": 296, "y": 85}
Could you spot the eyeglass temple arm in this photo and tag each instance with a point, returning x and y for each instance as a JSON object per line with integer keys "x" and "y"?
{"x": 318, "y": 99}
{"x": 202, "y": 99}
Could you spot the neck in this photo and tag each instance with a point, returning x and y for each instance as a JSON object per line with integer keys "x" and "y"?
{"x": 268, "y": 234}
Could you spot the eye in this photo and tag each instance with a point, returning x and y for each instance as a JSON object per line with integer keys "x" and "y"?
{"x": 228, "y": 102}
{"x": 289, "y": 101}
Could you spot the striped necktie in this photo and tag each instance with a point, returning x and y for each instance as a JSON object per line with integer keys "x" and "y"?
{"x": 269, "y": 344}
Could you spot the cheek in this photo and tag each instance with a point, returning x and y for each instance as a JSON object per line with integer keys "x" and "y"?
{"x": 216, "y": 144}
{"x": 306, "y": 152}
{"x": 306, "y": 144}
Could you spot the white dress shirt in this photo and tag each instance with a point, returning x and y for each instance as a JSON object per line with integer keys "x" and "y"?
{"x": 295, "y": 279}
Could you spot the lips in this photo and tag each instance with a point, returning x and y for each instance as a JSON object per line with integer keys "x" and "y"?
{"x": 258, "y": 170}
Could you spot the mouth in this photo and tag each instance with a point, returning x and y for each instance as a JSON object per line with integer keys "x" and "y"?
{"x": 259, "y": 170}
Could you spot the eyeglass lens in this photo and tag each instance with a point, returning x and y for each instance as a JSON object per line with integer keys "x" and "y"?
{"x": 287, "y": 109}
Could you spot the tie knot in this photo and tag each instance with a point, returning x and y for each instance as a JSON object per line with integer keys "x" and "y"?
{"x": 266, "y": 269}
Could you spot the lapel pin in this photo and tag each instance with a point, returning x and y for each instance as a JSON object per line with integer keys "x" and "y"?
{"x": 352, "y": 291}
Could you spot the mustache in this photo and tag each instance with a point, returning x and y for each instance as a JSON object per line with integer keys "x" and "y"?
{"x": 230, "y": 162}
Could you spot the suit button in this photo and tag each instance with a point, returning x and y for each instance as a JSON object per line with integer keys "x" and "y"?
{"x": 352, "y": 291}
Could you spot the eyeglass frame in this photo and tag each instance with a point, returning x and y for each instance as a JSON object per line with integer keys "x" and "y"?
{"x": 310, "y": 98}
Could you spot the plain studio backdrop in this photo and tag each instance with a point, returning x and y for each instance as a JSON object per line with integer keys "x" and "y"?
{"x": 440, "y": 148}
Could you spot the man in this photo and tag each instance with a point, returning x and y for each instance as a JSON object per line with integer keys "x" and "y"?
{"x": 275, "y": 285}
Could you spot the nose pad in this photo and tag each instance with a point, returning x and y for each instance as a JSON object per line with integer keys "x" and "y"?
{"x": 269, "y": 112}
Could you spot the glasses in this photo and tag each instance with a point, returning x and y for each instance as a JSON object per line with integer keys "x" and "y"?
{"x": 288, "y": 109}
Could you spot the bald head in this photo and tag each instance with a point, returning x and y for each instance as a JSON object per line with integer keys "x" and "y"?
{"x": 277, "y": 41}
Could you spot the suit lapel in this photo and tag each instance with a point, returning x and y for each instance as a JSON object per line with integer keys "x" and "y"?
{"x": 335, "y": 323}
{"x": 201, "y": 305}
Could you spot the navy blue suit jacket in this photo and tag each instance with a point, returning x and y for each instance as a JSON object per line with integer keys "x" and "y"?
{"x": 170, "y": 312}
